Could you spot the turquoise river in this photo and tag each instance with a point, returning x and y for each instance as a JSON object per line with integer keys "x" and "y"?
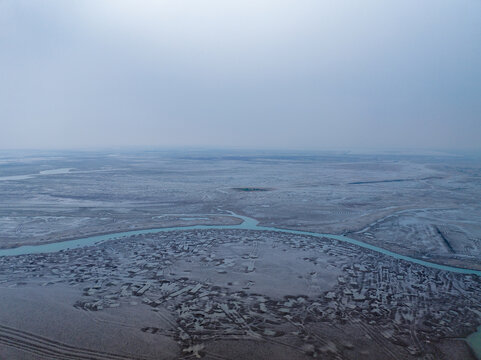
{"x": 248, "y": 224}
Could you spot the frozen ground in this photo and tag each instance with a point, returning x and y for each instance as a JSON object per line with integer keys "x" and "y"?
{"x": 417, "y": 205}
{"x": 299, "y": 296}
{"x": 233, "y": 293}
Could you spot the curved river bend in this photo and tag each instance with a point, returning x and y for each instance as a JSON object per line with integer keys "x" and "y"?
{"x": 247, "y": 224}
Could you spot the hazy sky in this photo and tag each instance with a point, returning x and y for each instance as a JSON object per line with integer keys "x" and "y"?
{"x": 262, "y": 74}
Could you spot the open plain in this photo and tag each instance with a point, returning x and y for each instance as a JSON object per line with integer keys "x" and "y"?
{"x": 233, "y": 293}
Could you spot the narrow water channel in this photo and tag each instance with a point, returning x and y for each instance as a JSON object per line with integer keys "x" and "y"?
{"x": 474, "y": 340}
{"x": 247, "y": 224}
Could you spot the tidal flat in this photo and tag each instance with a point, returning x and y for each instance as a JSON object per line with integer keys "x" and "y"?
{"x": 237, "y": 293}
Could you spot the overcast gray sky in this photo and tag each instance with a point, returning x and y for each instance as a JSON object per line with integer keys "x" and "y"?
{"x": 261, "y": 74}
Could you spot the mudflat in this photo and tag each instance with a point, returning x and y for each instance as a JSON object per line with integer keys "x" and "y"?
{"x": 238, "y": 293}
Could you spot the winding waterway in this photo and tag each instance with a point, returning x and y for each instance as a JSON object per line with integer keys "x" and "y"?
{"x": 247, "y": 224}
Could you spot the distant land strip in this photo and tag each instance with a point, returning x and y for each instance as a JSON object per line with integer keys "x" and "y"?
{"x": 247, "y": 189}
{"x": 392, "y": 180}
